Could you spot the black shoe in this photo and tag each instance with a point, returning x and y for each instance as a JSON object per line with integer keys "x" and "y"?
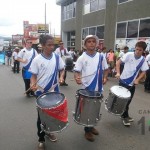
{"x": 65, "y": 84}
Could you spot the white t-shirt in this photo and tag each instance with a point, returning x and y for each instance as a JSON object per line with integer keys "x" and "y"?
{"x": 148, "y": 59}
{"x": 15, "y": 55}
{"x": 129, "y": 73}
{"x": 26, "y": 55}
{"x": 61, "y": 52}
{"x": 121, "y": 54}
{"x": 88, "y": 65}
{"x": 46, "y": 67}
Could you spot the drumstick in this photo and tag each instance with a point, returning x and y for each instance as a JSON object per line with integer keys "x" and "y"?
{"x": 33, "y": 84}
{"x": 84, "y": 76}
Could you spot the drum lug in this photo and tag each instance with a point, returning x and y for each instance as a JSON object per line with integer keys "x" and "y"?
{"x": 73, "y": 113}
{"x": 43, "y": 127}
{"x": 88, "y": 121}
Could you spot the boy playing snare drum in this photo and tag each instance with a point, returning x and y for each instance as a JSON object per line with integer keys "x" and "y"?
{"x": 44, "y": 69}
{"x": 91, "y": 71}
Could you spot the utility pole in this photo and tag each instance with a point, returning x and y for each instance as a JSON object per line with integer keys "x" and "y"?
{"x": 45, "y": 18}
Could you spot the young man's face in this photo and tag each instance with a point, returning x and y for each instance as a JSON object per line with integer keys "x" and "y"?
{"x": 138, "y": 51}
{"x": 49, "y": 46}
{"x": 90, "y": 44}
{"x": 28, "y": 44}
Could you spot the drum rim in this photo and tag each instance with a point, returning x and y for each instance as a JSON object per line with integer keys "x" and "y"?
{"x": 77, "y": 92}
{"x": 119, "y": 96}
{"x": 53, "y": 106}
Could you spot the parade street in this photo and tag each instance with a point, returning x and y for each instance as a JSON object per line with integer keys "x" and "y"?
{"x": 18, "y": 117}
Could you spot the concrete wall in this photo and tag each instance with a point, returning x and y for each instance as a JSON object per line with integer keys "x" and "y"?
{"x": 108, "y": 17}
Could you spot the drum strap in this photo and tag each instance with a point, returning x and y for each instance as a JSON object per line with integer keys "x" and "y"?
{"x": 130, "y": 79}
{"x": 54, "y": 76}
{"x": 97, "y": 78}
{"x": 28, "y": 65}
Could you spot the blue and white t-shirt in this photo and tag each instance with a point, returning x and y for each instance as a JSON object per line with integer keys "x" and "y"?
{"x": 92, "y": 67}
{"x": 26, "y": 54}
{"x": 47, "y": 68}
{"x": 132, "y": 66}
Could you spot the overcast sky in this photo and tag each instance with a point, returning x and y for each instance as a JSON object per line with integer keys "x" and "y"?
{"x": 14, "y": 12}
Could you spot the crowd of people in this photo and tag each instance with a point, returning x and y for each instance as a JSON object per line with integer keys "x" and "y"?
{"x": 42, "y": 70}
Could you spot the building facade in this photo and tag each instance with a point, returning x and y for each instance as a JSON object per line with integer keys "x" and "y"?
{"x": 116, "y": 22}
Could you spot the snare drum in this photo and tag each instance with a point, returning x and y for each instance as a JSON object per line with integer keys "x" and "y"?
{"x": 52, "y": 108}
{"x": 117, "y": 100}
{"x": 87, "y": 110}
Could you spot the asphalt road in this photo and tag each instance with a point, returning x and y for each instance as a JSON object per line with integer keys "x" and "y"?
{"x": 18, "y": 120}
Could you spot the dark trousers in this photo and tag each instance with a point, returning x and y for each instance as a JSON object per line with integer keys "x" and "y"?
{"x": 16, "y": 66}
{"x": 88, "y": 129}
{"x": 40, "y": 133}
{"x": 132, "y": 90}
{"x": 147, "y": 81}
{"x": 121, "y": 68}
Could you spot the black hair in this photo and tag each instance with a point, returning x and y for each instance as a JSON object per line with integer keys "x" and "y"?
{"x": 43, "y": 39}
{"x": 141, "y": 44}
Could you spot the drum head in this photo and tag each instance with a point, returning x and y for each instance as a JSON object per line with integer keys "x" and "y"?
{"x": 120, "y": 91}
{"x": 91, "y": 94}
{"x": 49, "y": 100}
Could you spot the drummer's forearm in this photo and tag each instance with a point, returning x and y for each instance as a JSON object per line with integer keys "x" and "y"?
{"x": 118, "y": 66}
{"x": 105, "y": 75}
{"x": 62, "y": 74}
{"x": 33, "y": 79}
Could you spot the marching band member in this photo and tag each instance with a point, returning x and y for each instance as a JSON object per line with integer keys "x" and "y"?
{"x": 133, "y": 63}
{"x": 46, "y": 67}
{"x": 25, "y": 56}
{"x": 147, "y": 80}
{"x": 91, "y": 62}
{"x": 62, "y": 52}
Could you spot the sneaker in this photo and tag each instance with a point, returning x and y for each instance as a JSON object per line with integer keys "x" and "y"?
{"x": 51, "y": 137}
{"x": 89, "y": 136}
{"x": 130, "y": 119}
{"x": 41, "y": 146}
{"x": 126, "y": 122}
{"x": 94, "y": 131}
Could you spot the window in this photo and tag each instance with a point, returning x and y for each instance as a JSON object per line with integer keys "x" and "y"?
{"x": 69, "y": 11}
{"x": 123, "y": 1}
{"x": 93, "y": 5}
{"x": 92, "y": 31}
{"x": 100, "y": 32}
{"x": 121, "y": 30}
{"x": 70, "y": 39}
{"x": 85, "y": 32}
{"x": 132, "y": 29}
{"x": 144, "y": 30}
{"x": 102, "y": 4}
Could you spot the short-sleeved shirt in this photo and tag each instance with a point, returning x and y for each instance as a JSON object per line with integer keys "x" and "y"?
{"x": 87, "y": 65}
{"x": 26, "y": 54}
{"x": 130, "y": 65}
{"x": 148, "y": 59}
{"x": 62, "y": 52}
{"x": 46, "y": 67}
{"x": 15, "y": 55}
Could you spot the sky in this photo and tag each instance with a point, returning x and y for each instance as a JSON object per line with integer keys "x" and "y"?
{"x": 14, "y": 12}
